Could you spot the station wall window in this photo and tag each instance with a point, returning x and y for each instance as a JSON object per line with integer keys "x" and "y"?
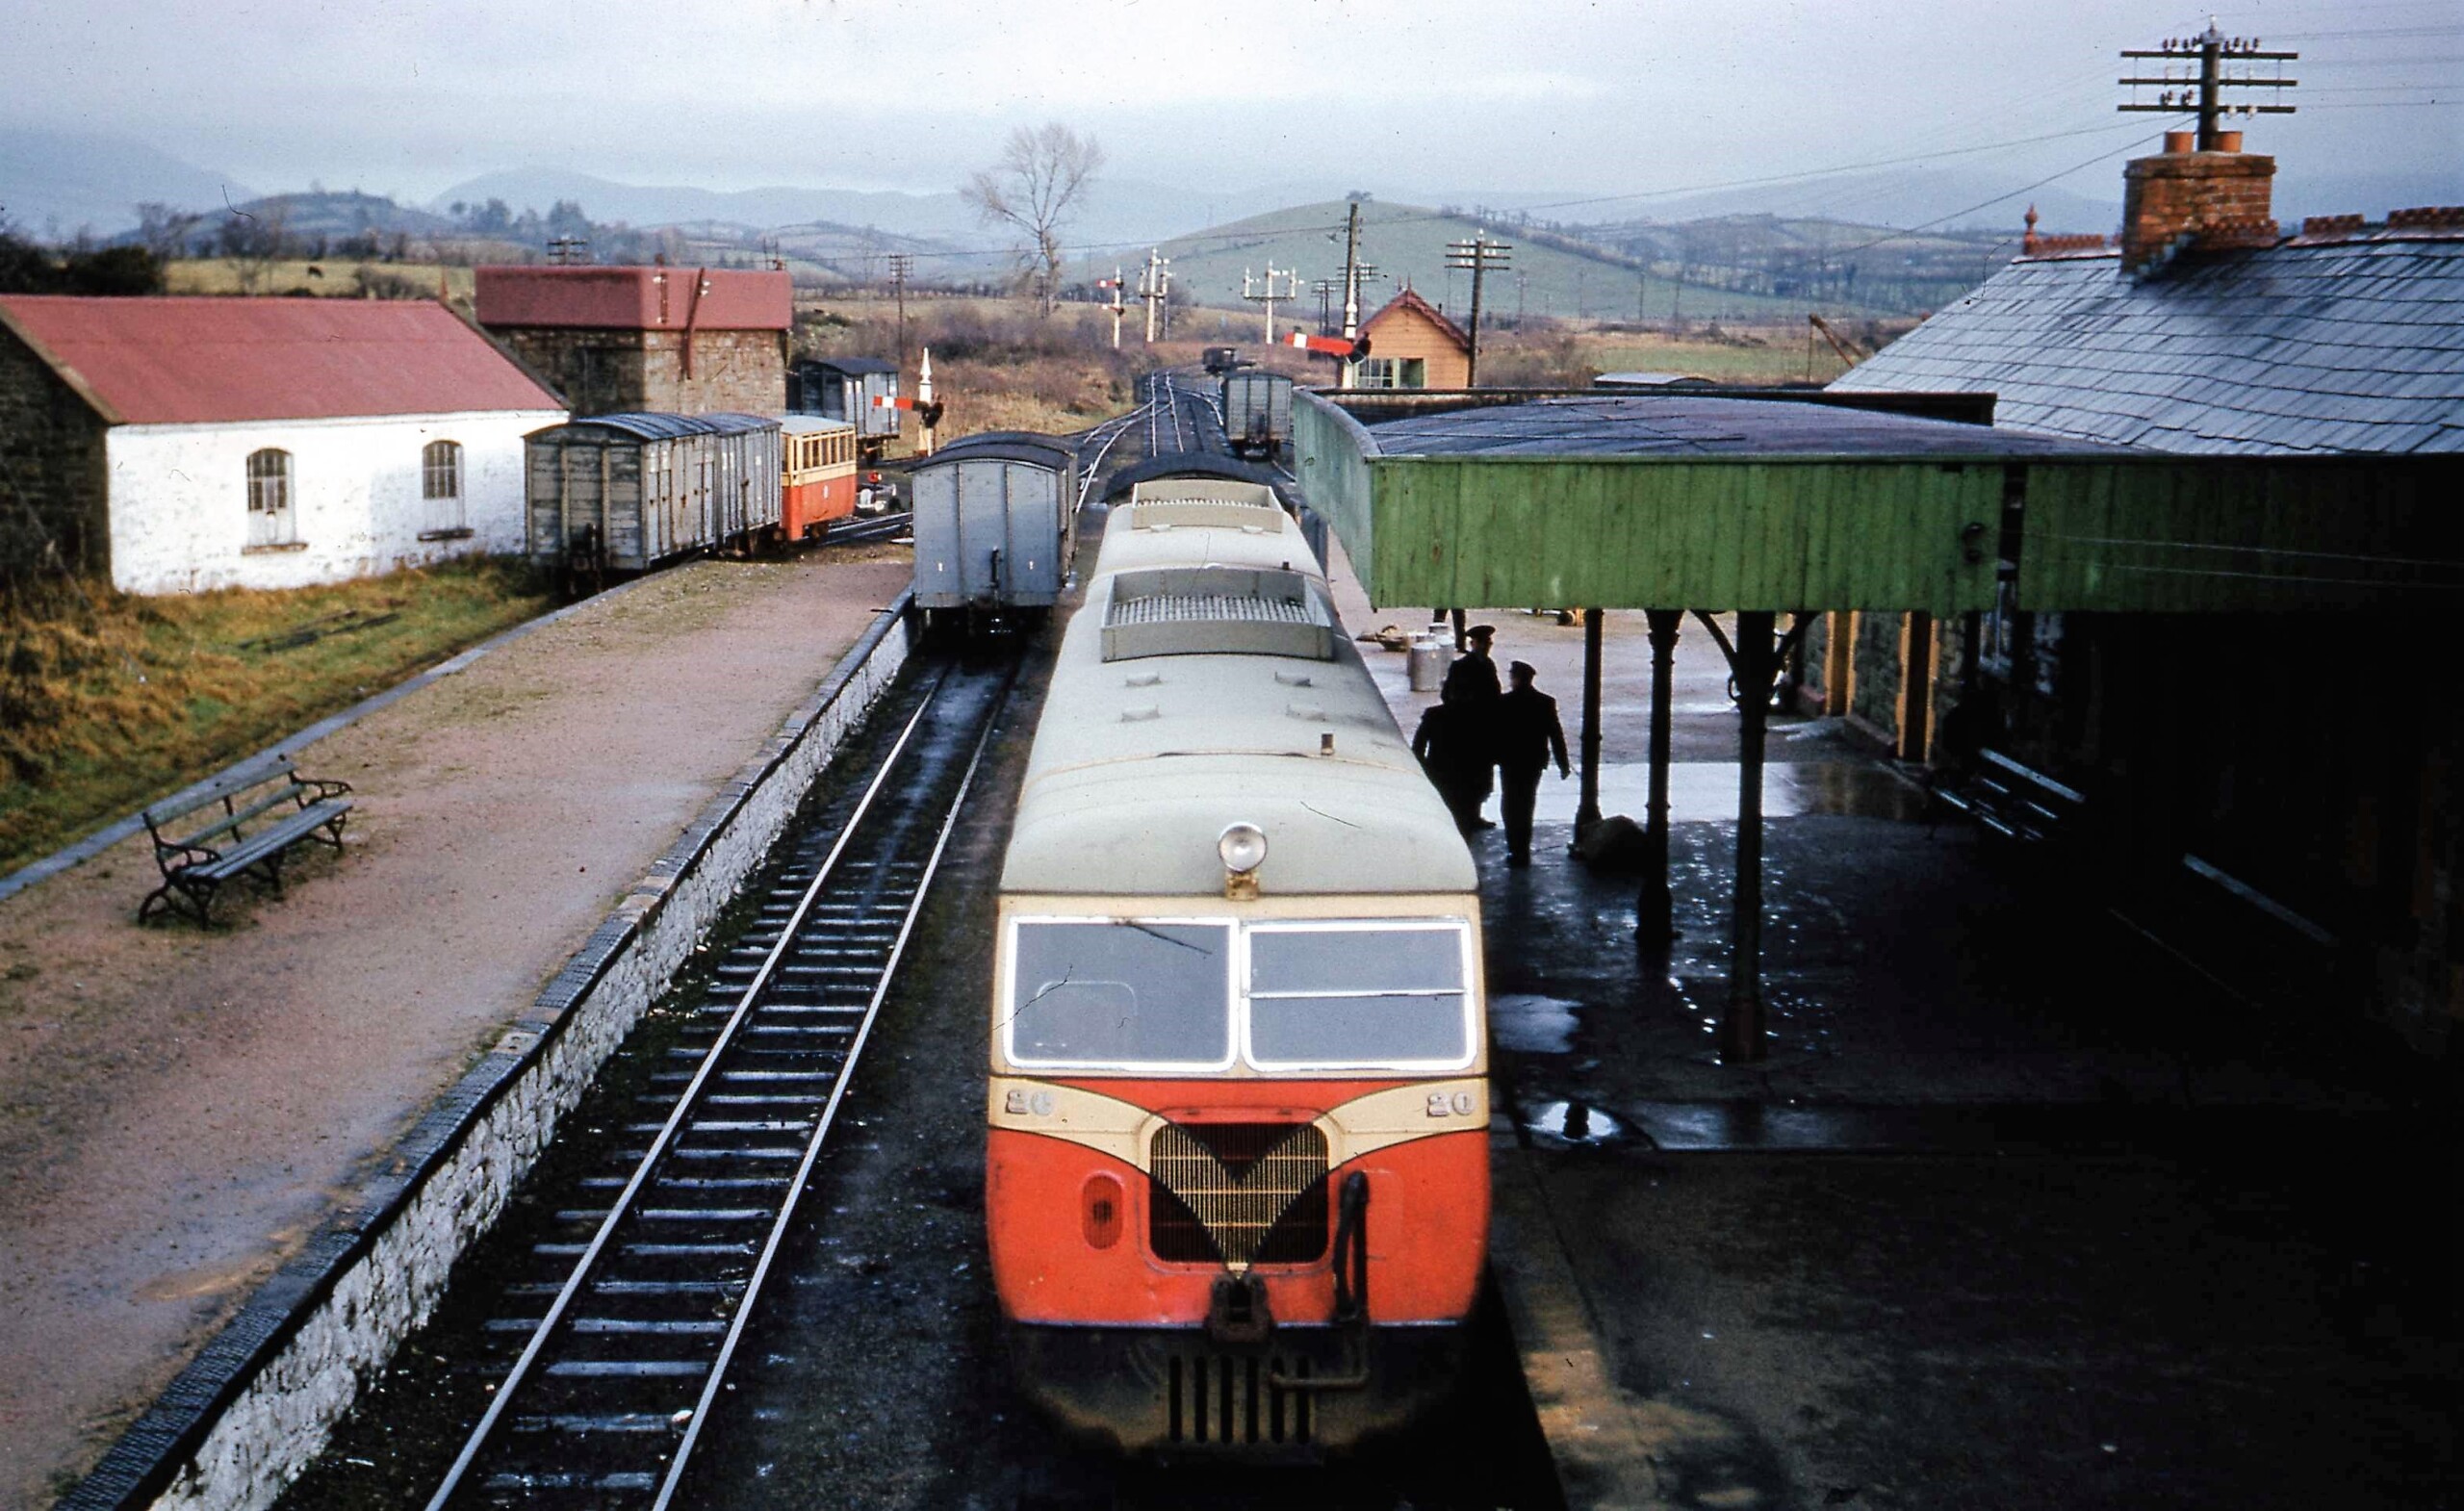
{"x": 271, "y": 522}
{"x": 441, "y": 491}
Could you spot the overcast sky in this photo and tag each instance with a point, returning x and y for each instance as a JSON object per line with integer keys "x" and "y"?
{"x": 411, "y": 97}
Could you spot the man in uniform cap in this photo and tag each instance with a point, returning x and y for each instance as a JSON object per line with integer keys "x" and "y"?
{"x": 1527, "y": 737}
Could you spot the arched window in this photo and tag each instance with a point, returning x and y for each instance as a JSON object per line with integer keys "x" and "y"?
{"x": 441, "y": 489}
{"x": 270, "y": 521}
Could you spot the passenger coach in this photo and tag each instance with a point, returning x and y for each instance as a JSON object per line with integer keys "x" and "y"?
{"x": 1237, "y": 1167}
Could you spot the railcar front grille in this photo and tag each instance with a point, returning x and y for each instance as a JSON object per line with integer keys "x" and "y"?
{"x": 1232, "y": 1402}
{"x": 1246, "y": 1193}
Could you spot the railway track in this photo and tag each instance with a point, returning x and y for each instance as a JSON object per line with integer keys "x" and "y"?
{"x": 885, "y": 527}
{"x": 630, "y": 1311}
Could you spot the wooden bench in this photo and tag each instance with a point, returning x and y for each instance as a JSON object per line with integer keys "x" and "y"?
{"x": 2015, "y": 802}
{"x": 257, "y": 813}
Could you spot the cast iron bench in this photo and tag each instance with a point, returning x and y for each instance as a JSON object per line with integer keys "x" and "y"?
{"x": 2016, "y": 803}
{"x": 258, "y": 813}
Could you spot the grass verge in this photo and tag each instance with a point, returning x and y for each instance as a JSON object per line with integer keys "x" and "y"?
{"x": 108, "y": 701}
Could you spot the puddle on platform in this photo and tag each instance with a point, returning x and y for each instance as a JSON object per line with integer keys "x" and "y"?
{"x": 1706, "y": 791}
{"x": 1534, "y": 1025}
{"x": 1570, "y": 1124}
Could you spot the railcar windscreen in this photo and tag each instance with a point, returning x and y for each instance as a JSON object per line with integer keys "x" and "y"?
{"x": 1119, "y": 992}
{"x": 1357, "y": 995}
{"x": 1157, "y": 994}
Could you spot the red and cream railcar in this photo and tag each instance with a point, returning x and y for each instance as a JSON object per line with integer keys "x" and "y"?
{"x": 817, "y": 480}
{"x": 1236, "y": 1176}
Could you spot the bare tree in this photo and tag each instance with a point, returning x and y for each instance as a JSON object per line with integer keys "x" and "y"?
{"x": 1035, "y": 187}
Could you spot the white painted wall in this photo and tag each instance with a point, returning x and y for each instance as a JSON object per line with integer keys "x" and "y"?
{"x": 179, "y": 498}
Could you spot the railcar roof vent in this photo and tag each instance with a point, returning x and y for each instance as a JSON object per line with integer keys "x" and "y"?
{"x": 1204, "y": 503}
{"x": 1217, "y": 611}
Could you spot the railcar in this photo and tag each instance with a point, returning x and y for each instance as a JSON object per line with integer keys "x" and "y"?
{"x": 1257, "y": 412}
{"x": 996, "y": 524}
{"x": 817, "y": 475}
{"x": 627, "y": 492}
{"x": 1236, "y": 1157}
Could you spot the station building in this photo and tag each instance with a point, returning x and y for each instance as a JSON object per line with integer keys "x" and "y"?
{"x": 685, "y": 340}
{"x": 2296, "y": 772}
{"x": 182, "y": 444}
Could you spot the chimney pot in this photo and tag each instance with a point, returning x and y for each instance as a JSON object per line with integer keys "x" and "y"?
{"x": 2228, "y": 142}
{"x": 2177, "y": 142}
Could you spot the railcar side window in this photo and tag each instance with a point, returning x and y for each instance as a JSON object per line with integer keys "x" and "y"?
{"x": 1365, "y": 995}
{"x": 1106, "y": 993}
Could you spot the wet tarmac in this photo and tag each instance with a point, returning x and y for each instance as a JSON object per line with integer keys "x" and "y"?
{"x": 2018, "y": 1211}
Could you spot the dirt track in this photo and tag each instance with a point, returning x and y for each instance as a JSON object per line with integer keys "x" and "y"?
{"x": 177, "y": 1108}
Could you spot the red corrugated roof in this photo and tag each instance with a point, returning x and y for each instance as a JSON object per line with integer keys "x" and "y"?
{"x": 636, "y": 299}
{"x": 1409, "y": 300}
{"x": 187, "y": 361}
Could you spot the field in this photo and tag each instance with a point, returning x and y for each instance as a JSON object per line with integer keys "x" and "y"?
{"x": 333, "y": 277}
{"x": 108, "y": 702}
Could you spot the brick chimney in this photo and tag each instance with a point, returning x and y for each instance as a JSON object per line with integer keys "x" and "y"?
{"x": 2184, "y": 198}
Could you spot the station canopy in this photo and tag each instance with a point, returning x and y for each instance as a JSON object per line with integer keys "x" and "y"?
{"x": 1808, "y": 501}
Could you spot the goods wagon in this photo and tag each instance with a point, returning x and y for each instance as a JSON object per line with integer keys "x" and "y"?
{"x": 1257, "y": 412}
{"x": 624, "y": 493}
{"x": 996, "y": 520}
{"x": 844, "y": 388}
{"x": 817, "y": 474}
{"x": 1236, "y": 1162}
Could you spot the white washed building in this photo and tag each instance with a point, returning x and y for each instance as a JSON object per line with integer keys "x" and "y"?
{"x": 192, "y": 444}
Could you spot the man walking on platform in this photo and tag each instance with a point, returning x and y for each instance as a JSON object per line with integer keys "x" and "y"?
{"x": 1470, "y": 692}
{"x": 1527, "y": 737}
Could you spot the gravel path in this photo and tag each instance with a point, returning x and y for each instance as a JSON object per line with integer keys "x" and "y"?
{"x": 178, "y": 1108}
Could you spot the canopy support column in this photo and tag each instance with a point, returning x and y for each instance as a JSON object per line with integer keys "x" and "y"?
{"x": 1587, "y": 811}
{"x": 1755, "y": 661}
{"x": 1653, "y": 910}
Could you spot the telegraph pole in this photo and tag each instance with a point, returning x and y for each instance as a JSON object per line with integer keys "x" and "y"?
{"x": 1352, "y": 272}
{"x": 2212, "y": 53}
{"x": 1480, "y": 255}
{"x": 1154, "y": 287}
{"x": 899, "y": 265}
{"x": 1267, "y": 291}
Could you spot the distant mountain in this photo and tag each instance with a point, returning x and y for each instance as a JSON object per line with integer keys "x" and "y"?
{"x": 1121, "y": 212}
{"x": 321, "y": 212}
{"x": 939, "y": 217}
{"x": 1950, "y": 199}
{"x": 1408, "y": 243}
{"x": 53, "y": 184}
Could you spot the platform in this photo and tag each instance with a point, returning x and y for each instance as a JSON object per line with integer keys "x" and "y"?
{"x": 178, "y": 1108}
{"x": 2019, "y": 1210}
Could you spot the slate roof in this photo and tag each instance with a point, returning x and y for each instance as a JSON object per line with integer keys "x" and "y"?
{"x": 1673, "y": 422}
{"x": 2348, "y": 344}
{"x": 198, "y": 361}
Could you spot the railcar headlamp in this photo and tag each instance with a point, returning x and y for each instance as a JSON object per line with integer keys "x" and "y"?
{"x": 1243, "y": 848}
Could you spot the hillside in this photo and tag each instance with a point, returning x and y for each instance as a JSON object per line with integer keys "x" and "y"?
{"x": 1552, "y": 277}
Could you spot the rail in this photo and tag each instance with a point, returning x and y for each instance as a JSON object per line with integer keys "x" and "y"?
{"x": 676, "y": 1282}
